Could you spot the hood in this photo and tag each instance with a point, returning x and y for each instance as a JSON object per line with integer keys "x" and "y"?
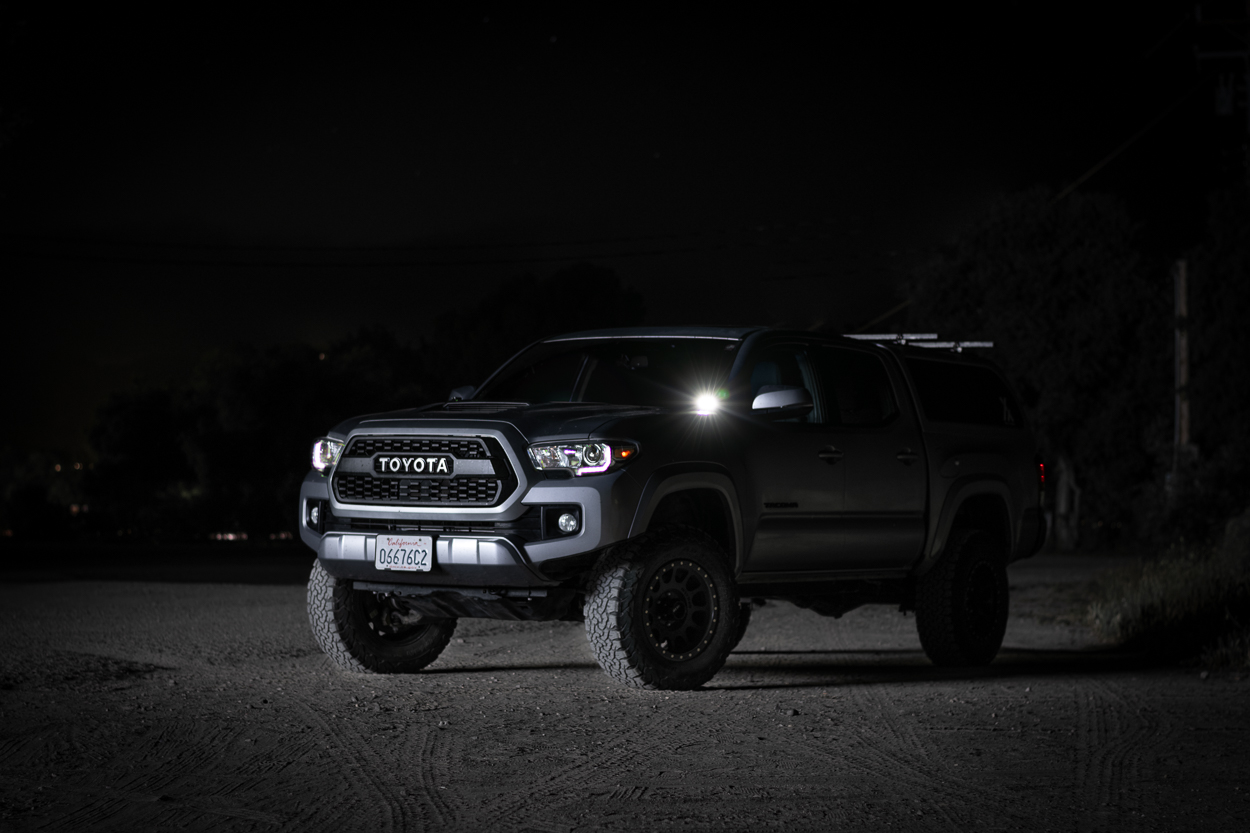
{"x": 536, "y": 423}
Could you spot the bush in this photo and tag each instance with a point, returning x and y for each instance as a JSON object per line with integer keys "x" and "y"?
{"x": 1186, "y": 601}
{"x": 1230, "y": 651}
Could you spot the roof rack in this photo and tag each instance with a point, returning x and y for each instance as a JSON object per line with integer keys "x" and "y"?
{"x": 919, "y": 340}
{"x": 895, "y": 338}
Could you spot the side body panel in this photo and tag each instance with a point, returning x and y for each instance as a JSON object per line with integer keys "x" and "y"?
{"x": 883, "y": 526}
{"x": 979, "y": 461}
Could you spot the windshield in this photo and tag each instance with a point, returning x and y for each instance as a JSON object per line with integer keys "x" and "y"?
{"x": 657, "y": 372}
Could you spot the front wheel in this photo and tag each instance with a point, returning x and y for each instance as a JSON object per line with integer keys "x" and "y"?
{"x": 662, "y": 610}
{"x": 961, "y": 604}
{"x": 364, "y": 631}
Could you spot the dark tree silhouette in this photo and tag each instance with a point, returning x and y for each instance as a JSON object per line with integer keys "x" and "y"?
{"x": 1081, "y": 325}
{"x": 225, "y": 451}
{"x": 1216, "y": 484}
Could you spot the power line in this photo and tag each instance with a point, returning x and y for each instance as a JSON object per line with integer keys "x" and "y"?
{"x": 1123, "y": 147}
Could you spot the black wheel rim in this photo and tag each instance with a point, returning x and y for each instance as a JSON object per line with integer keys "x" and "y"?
{"x": 981, "y": 603}
{"x": 680, "y": 610}
{"x": 386, "y": 620}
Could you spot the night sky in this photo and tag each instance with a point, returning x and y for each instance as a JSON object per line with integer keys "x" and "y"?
{"x": 170, "y": 184}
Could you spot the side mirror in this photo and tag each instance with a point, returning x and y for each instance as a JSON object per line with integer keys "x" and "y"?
{"x": 782, "y": 401}
{"x": 460, "y": 394}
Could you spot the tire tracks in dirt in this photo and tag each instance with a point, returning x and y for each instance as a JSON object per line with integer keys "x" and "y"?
{"x": 418, "y": 749}
{"x": 1115, "y": 731}
{"x": 151, "y": 777}
{"x": 644, "y": 742}
{"x": 357, "y": 764}
{"x": 921, "y": 770}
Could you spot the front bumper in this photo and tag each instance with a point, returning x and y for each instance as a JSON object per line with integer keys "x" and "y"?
{"x": 482, "y": 559}
{"x": 459, "y": 560}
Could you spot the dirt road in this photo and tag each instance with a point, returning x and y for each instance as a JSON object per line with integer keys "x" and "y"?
{"x": 148, "y": 706}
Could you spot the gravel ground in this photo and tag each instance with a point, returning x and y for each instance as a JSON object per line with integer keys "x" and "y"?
{"x": 188, "y": 706}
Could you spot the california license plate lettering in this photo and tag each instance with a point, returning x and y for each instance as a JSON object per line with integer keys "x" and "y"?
{"x": 404, "y": 552}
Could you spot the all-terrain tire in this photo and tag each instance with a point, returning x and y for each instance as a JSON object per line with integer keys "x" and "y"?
{"x": 744, "y": 619}
{"x": 961, "y": 604}
{"x": 662, "y": 610}
{"x": 352, "y": 627}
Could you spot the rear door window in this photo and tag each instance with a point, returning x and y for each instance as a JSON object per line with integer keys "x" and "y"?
{"x": 969, "y": 394}
{"x": 855, "y": 387}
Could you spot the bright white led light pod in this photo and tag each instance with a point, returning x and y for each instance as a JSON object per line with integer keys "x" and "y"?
{"x": 706, "y": 403}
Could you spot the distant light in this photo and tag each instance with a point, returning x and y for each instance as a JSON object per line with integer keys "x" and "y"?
{"x": 706, "y": 403}
{"x": 57, "y": 467}
{"x": 78, "y": 466}
{"x": 321, "y": 357}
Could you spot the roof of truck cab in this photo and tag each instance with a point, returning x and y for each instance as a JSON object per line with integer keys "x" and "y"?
{"x": 712, "y": 333}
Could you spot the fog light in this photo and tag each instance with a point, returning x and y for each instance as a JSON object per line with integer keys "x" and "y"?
{"x": 314, "y": 515}
{"x": 567, "y": 522}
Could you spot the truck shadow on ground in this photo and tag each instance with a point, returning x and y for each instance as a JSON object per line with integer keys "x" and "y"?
{"x": 808, "y": 669}
{"x": 860, "y": 666}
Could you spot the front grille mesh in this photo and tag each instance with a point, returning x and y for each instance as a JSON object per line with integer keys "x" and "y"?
{"x": 465, "y": 449}
{"x": 479, "y": 491}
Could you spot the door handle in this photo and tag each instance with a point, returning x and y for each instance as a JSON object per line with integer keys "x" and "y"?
{"x": 830, "y": 455}
{"x": 907, "y": 456}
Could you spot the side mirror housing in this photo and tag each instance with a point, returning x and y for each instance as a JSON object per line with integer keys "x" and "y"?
{"x": 782, "y": 402}
{"x": 461, "y": 393}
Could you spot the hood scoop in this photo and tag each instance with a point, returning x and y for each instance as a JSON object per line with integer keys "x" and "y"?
{"x": 483, "y": 407}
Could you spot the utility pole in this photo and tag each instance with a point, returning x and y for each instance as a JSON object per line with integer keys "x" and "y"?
{"x": 1218, "y": 44}
{"x": 1181, "y": 448}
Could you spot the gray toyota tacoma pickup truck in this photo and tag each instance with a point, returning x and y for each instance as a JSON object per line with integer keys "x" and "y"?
{"x": 654, "y": 482}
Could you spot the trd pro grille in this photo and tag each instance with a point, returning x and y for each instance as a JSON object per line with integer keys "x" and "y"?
{"x": 464, "y": 490}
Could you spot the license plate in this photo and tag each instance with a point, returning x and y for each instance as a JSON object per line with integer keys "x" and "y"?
{"x": 404, "y": 552}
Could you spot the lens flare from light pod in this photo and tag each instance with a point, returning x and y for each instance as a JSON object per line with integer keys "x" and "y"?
{"x": 706, "y": 403}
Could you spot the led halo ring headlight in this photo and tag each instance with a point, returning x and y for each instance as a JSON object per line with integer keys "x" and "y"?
{"x": 581, "y": 457}
{"x": 325, "y": 453}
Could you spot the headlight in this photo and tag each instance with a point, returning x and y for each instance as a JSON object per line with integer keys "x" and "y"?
{"x": 326, "y": 453}
{"x": 581, "y": 458}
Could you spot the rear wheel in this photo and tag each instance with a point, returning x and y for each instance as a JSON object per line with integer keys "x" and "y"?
{"x": 662, "y": 610}
{"x": 363, "y": 631}
{"x": 961, "y": 604}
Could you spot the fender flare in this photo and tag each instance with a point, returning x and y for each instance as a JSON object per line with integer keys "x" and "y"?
{"x": 684, "y": 477}
{"x": 966, "y": 487}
